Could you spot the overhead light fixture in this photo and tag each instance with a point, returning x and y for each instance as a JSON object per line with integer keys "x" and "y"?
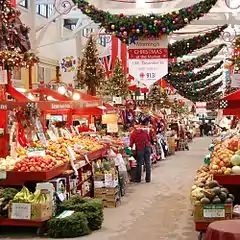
{"x": 62, "y": 90}
{"x": 30, "y": 97}
{"x": 102, "y": 107}
{"x": 76, "y": 96}
{"x": 50, "y": 98}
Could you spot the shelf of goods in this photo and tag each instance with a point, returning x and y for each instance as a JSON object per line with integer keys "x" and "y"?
{"x": 20, "y": 172}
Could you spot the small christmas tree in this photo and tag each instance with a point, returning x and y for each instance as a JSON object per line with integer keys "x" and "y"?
{"x": 158, "y": 96}
{"x": 79, "y": 80}
{"x": 117, "y": 84}
{"x": 94, "y": 72}
{"x": 14, "y": 40}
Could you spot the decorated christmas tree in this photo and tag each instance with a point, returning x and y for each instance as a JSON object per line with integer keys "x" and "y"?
{"x": 94, "y": 72}
{"x": 79, "y": 80}
{"x": 117, "y": 84}
{"x": 158, "y": 96}
{"x": 14, "y": 40}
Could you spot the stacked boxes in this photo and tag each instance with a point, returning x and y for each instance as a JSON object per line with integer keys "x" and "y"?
{"x": 106, "y": 187}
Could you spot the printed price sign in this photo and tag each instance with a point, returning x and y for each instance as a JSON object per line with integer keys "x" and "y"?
{"x": 33, "y": 152}
{"x": 21, "y": 211}
{"x": 3, "y": 175}
{"x": 211, "y": 211}
{"x": 112, "y": 128}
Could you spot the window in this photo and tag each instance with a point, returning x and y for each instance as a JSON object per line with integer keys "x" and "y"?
{"x": 70, "y": 23}
{"x": 44, "y": 74}
{"x": 45, "y": 10}
{"x": 40, "y": 76}
{"x": 17, "y": 78}
{"x": 24, "y": 3}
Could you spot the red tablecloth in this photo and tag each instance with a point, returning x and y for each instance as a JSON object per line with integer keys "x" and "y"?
{"x": 224, "y": 230}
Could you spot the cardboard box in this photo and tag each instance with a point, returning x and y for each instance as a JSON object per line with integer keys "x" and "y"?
{"x": 111, "y": 204}
{"x": 33, "y": 212}
{"x": 212, "y": 212}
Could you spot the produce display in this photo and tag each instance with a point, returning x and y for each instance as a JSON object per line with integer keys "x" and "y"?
{"x": 36, "y": 164}
{"x": 25, "y": 196}
{"x": 225, "y": 157}
{"x": 211, "y": 193}
{"x": 6, "y": 195}
{"x": 7, "y": 164}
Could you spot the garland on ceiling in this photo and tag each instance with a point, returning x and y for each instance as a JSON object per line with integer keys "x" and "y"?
{"x": 205, "y": 93}
{"x": 208, "y": 98}
{"x": 184, "y": 47}
{"x": 130, "y": 28}
{"x": 194, "y": 86}
{"x": 195, "y": 62}
{"x": 188, "y": 77}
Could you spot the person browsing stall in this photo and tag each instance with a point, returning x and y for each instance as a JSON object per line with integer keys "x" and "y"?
{"x": 141, "y": 139}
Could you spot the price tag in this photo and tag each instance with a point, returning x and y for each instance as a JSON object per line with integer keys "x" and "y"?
{"x": 21, "y": 211}
{"x": 51, "y": 135}
{"x": 86, "y": 158}
{"x": 65, "y": 214}
{"x": 3, "y": 175}
{"x": 61, "y": 196}
{"x": 217, "y": 211}
{"x": 112, "y": 128}
{"x": 36, "y": 152}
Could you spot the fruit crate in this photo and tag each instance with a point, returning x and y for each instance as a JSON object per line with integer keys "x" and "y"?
{"x": 15, "y": 178}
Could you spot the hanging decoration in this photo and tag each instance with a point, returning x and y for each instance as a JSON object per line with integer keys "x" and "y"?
{"x": 186, "y": 46}
{"x": 195, "y": 62}
{"x": 204, "y": 94}
{"x": 131, "y": 28}
{"x": 194, "y": 86}
{"x": 14, "y": 40}
{"x": 69, "y": 64}
{"x": 188, "y": 77}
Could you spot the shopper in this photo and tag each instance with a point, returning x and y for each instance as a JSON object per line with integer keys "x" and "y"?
{"x": 141, "y": 139}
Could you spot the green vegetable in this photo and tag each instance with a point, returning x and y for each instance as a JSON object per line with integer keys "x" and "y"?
{"x": 92, "y": 208}
{"x": 223, "y": 196}
{"x": 205, "y": 201}
{"x": 75, "y": 225}
{"x": 216, "y": 200}
{"x": 213, "y": 184}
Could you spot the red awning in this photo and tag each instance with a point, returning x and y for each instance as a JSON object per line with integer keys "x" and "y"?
{"x": 94, "y": 110}
{"x": 17, "y": 95}
{"x": 233, "y": 96}
{"x": 87, "y": 97}
{"x": 49, "y": 92}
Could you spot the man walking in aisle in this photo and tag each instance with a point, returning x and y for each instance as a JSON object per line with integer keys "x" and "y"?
{"x": 141, "y": 139}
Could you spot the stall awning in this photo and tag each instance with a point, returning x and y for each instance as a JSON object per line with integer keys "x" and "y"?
{"x": 17, "y": 95}
{"x": 233, "y": 96}
{"x": 49, "y": 92}
{"x": 105, "y": 109}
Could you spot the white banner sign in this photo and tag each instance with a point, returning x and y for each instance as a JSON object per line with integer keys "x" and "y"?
{"x": 148, "y": 60}
{"x": 201, "y": 108}
{"x": 3, "y": 76}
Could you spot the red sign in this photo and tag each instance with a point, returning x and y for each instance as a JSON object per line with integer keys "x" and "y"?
{"x": 13, "y": 3}
{"x": 145, "y": 53}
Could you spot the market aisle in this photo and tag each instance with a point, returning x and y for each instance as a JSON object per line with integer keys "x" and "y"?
{"x": 160, "y": 210}
{"x": 155, "y": 211}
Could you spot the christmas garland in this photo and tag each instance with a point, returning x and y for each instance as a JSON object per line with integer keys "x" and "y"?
{"x": 208, "y": 98}
{"x": 194, "y": 86}
{"x": 188, "y": 77}
{"x": 195, "y": 62}
{"x": 130, "y": 28}
{"x": 204, "y": 94}
{"x": 11, "y": 59}
{"x": 184, "y": 47}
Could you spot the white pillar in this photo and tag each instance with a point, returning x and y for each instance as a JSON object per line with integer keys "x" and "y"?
{"x": 33, "y": 15}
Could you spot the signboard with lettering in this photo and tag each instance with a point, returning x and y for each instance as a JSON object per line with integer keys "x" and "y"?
{"x": 148, "y": 60}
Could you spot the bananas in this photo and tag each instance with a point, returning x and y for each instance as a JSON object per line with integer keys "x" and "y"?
{"x": 25, "y": 196}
